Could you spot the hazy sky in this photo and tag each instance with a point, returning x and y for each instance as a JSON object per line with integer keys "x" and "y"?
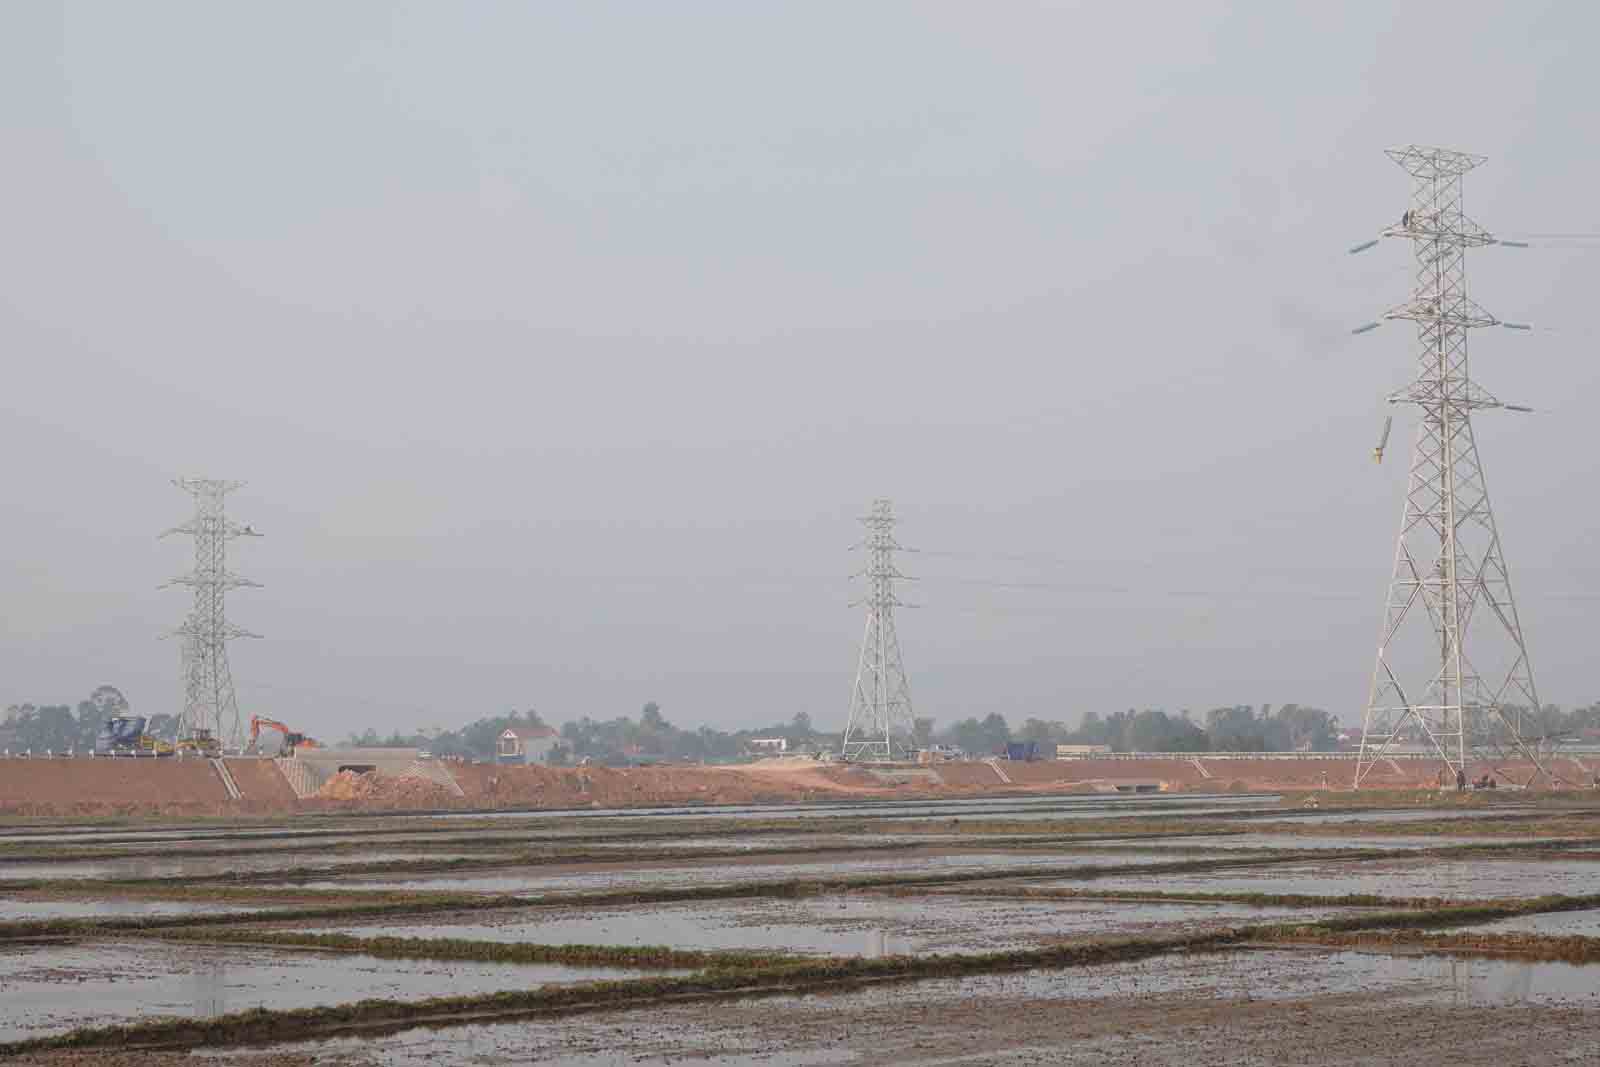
{"x": 561, "y": 345}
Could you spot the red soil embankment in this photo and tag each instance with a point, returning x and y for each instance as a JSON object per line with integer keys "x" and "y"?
{"x": 69, "y": 787}
{"x": 111, "y": 787}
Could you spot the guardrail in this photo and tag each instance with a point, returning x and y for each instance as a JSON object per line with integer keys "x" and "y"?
{"x": 48, "y": 754}
{"x": 1564, "y": 750}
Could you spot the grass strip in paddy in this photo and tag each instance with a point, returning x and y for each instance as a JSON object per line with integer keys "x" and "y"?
{"x": 1454, "y": 914}
{"x": 1158, "y": 896}
{"x": 454, "y": 948}
{"x": 1574, "y": 949}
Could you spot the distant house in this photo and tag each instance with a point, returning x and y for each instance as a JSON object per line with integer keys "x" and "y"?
{"x": 526, "y": 744}
{"x": 767, "y": 745}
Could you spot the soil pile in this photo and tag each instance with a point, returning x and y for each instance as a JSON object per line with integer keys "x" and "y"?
{"x": 385, "y": 791}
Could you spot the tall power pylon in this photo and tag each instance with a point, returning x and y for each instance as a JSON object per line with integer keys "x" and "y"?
{"x": 1452, "y": 673}
{"x": 209, "y": 701}
{"x": 881, "y": 725}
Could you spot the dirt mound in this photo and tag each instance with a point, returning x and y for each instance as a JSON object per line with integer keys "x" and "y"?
{"x": 385, "y": 791}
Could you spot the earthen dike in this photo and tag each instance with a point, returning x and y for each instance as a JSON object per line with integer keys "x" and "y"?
{"x": 394, "y": 780}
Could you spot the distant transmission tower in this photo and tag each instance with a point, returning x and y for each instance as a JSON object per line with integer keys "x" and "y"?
{"x": 1452, "y": 674}
{"x": 881, "y": 724}
{"x": 209, "y": 702}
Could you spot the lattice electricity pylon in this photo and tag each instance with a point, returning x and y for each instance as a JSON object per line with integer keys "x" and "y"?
{"x": 209, "y": 701}
{"x": 881, "y": 726}
{"x": 1450, "y": 582}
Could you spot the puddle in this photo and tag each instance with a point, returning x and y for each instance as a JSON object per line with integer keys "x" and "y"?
{"x": 52, "y": 989}
{"x": 855, "y": 925}
{"x": 1475, "y": 879}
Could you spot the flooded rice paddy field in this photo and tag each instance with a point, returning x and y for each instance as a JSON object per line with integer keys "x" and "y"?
{"x": 1257, "y": 1008}
{"x": 1026, "y": 930}
{"x": 56, "y": 988}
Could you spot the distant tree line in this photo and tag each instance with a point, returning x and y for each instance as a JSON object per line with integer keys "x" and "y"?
{"x": 63, "y": 728}
{"x": 619, "y": 742}
{"x": 652, "y": 738}
{"x": 1239, "y": 728}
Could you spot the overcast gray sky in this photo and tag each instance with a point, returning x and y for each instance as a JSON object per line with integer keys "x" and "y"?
{"x": 561, "y": 345}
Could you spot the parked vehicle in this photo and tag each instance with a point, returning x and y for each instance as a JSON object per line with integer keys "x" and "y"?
{"x": 125, "y": 736}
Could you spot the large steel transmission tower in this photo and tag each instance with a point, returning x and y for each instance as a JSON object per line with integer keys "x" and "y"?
{"x": 881, "y": 724}
{"x": 1452, "y": 673}
{"x": 209, "y": 702}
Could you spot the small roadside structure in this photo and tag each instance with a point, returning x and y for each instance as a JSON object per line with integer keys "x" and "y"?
{"x": 525, "y": 744}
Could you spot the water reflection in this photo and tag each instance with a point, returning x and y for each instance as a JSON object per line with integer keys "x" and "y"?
{"x": 1494, "y": 983}
{"x": 210, "y": 980}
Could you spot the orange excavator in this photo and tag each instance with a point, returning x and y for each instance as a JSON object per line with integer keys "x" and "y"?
{"x": 292, "y": 739}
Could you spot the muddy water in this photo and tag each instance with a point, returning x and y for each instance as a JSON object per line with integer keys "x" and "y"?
{"x": 1476, "y": 879}
{"x": 46, "y": 990}
{"x": 790, "y": 1031}
{"x": 854, "y": 925}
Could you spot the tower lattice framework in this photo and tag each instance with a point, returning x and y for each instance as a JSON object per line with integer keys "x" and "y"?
{"x": 881, "y": 724}
{"x": 1453, "y": 674}
{"x": 209, "y": 700}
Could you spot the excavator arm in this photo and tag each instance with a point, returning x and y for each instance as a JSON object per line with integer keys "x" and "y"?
{"x": 292, "y": 739}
